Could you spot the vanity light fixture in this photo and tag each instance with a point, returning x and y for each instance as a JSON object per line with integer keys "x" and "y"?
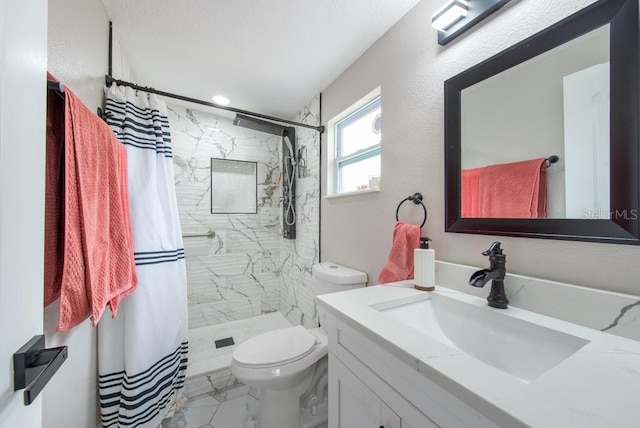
{"x": 449, "y": 14}
{"x": 457, "y": 16}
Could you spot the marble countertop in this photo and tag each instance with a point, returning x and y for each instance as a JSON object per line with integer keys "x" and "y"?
{"x": 598, "y": 386}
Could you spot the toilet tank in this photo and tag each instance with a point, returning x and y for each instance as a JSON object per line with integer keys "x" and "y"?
{"x": 329, "y": 277}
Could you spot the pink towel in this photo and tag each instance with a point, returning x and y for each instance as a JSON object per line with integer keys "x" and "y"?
{"x": 89, "y": 260}
{"x": 53, "y": 221}
{"x": 406, "y": 238}
{"x": 470, "y": 193}
{"x": 513, "y": 190}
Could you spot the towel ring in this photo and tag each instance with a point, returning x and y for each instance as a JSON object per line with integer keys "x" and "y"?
{"x": 416, "y": 198}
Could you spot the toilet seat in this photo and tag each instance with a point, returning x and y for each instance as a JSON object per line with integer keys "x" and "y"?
{"x": 275, "y": 348}
{"x": 281, "y": 383}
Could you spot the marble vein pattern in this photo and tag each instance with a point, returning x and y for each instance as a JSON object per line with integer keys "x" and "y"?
{"x": 221, "y": 409}
{"x": 211, "y": 383}
{"x": 234, "y": 272}
{"x": 611, "y": 312}
{"x": 298, "y": 256}
{"x": 243, "y": 267}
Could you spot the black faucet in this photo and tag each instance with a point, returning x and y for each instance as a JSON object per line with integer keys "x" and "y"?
{"x": 496, "y": 272}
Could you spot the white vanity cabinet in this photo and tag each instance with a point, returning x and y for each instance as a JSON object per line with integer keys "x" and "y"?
{"x": 391, "y": 366}
{"x": 357, "y": 405}
{"x": 371, "y": 388}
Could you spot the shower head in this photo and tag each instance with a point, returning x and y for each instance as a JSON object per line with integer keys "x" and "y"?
{"x": 258, "y": 124}
{"x": 266, "y": 126}
{"x": 287, "y": 141}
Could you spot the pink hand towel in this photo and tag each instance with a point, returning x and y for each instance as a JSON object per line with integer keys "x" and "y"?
{"x": 513, "y": 190}
{"x": 89, "y": 260}
{"x": 406, "y": 238}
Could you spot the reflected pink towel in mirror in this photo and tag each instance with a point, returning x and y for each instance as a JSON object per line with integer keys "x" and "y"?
{"x": 406, "y": 238}
{"x": 470, "y": 193}
{"x": 510, "y": 190}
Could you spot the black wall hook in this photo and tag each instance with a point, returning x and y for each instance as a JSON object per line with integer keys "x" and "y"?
{"x": 34, "y": 366}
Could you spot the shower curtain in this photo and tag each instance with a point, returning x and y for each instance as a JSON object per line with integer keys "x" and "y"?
{"x": 142, "y": 353}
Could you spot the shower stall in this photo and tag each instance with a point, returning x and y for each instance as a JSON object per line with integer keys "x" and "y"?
{"x": 289, "y": 166}
{"x": 250, "y": 221}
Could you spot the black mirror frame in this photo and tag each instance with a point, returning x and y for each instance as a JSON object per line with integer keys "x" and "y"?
{"x": 624, "y": 226}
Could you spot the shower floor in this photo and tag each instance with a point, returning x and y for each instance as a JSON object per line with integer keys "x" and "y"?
{"x": 204, "y": 357}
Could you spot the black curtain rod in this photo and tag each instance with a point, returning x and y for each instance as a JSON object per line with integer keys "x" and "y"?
{"x": 55, "y": 86}
{"x": 59, "y": 89}
{"x": 109, "y": 80}
{"x": 110, "y": 48}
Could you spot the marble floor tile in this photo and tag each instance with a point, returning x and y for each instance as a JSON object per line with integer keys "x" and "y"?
{"x": 196, "y": 413}
{"x": 231, "y": 414}
{"x": 225, "y": 409}
{"x": 232, "y": 393}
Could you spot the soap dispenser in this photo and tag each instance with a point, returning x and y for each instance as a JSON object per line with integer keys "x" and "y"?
{"x": 424, "y": 266}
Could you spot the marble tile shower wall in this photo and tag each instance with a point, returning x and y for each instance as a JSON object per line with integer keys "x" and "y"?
{"x": 246, "y": 268}
{"x": 235, "y": 273}
{"x": 299, "y": 255}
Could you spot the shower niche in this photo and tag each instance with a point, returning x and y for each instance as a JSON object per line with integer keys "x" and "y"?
{"x": 234, "y": 187}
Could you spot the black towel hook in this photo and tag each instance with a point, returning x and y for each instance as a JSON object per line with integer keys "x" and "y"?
{"x": 550, "y": 160}
{"x": 416, "y": 198}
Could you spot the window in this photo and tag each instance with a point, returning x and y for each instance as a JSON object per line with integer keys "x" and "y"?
{"x": 357, "y": 155}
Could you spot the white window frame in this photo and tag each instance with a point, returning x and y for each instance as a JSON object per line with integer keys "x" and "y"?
{"x": 334, "y": 163}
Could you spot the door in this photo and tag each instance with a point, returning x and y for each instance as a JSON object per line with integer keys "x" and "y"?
{"x": 359, "y": 406}
{"x": 586, "y": 143}
{"x": 23, "y": 56}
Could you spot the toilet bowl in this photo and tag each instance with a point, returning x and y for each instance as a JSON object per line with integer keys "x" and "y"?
{"x": 289, "y": 365}
{"x": 282, "y": 364}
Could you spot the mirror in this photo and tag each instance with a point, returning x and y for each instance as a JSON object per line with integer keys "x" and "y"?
{"x": 567, "y": 87}
{"x": 541, "y": 140}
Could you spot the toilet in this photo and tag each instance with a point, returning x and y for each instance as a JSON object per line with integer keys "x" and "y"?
{"x": 288, "y": 366}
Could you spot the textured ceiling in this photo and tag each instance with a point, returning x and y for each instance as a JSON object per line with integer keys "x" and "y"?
{"x": 267, "y": 56}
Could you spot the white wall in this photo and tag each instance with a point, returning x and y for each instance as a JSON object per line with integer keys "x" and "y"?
{"x": 410, "y": 66}
{"x": 78, "y": 35}
{"x": 23, "y": 60}
{"x": 506, "y": 121}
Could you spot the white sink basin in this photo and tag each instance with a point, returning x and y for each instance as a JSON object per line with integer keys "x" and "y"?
{"x": 522, "y": 349}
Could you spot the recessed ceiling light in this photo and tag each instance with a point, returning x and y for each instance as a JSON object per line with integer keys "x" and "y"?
{"x": 220, "y": 99}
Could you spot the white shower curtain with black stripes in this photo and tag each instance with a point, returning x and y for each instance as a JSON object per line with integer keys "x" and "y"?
{"x": 142, "y": 352}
